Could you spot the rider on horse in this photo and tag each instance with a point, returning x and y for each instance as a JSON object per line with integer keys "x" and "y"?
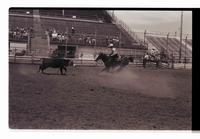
{"x": 114, "y": 55}
{"x": 153, "y": 52}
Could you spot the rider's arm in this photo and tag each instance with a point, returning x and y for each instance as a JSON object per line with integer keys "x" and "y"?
{"x": 111, "y": 54}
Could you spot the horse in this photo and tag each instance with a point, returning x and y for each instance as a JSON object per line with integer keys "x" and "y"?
{"x": 109, "y": 63}
{"x": 55, "y": 63}
{"x": 158, "y": 59}
{"x": 164, "y": 58}
{"x": 150, "y": 58}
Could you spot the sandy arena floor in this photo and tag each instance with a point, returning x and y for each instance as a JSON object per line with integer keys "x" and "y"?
{"x": 84, "y": 98}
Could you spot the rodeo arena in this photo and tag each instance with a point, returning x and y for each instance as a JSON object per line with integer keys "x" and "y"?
{"x": 87, "y": 69}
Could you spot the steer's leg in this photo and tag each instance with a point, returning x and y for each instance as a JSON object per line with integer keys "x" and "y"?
{"x": 41, "y": 68}
{"x": 61, "y": 71}
{"x": 65, "y": 69}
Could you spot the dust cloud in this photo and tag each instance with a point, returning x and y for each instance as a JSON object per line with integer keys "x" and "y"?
{"x": 145, "y": 84}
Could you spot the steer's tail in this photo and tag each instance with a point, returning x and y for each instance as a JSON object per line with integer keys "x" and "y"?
{"x": 40, "y": 68}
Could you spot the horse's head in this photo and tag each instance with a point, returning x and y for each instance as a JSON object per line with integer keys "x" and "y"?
{"x": 100, "y": 56}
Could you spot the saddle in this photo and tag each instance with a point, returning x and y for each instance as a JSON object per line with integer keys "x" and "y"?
{"x": 115, "y": 58}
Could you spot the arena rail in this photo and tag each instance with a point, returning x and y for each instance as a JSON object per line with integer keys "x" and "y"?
{"x": 36, "y": 60}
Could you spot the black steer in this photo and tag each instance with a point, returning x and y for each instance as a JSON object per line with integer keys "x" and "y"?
{"x": 55, "y": 63}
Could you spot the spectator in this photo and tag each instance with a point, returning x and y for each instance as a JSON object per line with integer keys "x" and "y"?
{"x": 54, "y": 35}
{"x": 89, "y": 42}
{"x": 107, "y": 41}
{"x": 14, "y": 34}
{"x": 85, "y": 40}
{"x": 63, "y": 38}
{"x": 115, "y": 41}
{"x": 73, "y": 30}
{"x": 93, "y": 42}
{"x": 59, "y": 37}
{"x": 80, "y": 40}
{"x": 19, "y": 33}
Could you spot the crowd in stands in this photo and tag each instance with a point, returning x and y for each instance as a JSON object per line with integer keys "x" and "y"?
{"x": 20, "y": 33}
{"x": 112, "y": 40}
{"x": 68, "y": 37}
{"x": 57, "y": 36}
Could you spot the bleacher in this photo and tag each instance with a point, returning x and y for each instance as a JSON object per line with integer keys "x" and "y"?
{"x": 189, "y": 42}
{"x": 20, "y": 21}
{"x": 95, "y": 15}
{"x": 23, "y": 11}
{"x": 19, "y": 26}
{"x": 96, "y": 30}
{"x": 173, "y": 45}
{"x": 62, "y": 21}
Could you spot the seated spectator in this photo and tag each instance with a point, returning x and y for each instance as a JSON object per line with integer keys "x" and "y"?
{"x": 85, "y": 40}
{"x": 73, "y": 30}
{"x": 107, "y": 41}
{"x": 59, "y": 37}
{"x": 25, "y": 35}
{"x": 63, "y": 38}
{"x": 14, "y": 34}
{"x": 54, "y": 35}
{"x": 89, "y": 42}
{"x": 93, "y": 41}
{"x": 19, "y": 33}
{"x": 116, "y": 41}
{"x": 80, "y": 40}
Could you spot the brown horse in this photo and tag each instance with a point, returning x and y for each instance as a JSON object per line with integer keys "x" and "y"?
{"x": 110, "y": 63}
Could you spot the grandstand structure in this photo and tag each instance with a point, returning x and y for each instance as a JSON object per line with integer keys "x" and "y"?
{"x": 171, "y": 45}
{"x": 41, "y": 31}
{"x": 80, "y": 32}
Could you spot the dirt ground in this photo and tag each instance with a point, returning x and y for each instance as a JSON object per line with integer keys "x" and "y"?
{"x": 85, "y": 98}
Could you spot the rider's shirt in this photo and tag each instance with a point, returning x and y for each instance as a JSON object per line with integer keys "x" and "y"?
{"x": 153, "y": 52}
{"x": 114, "y": 51}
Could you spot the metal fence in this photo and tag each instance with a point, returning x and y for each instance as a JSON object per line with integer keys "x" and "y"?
{"x": 175, "y": 63}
